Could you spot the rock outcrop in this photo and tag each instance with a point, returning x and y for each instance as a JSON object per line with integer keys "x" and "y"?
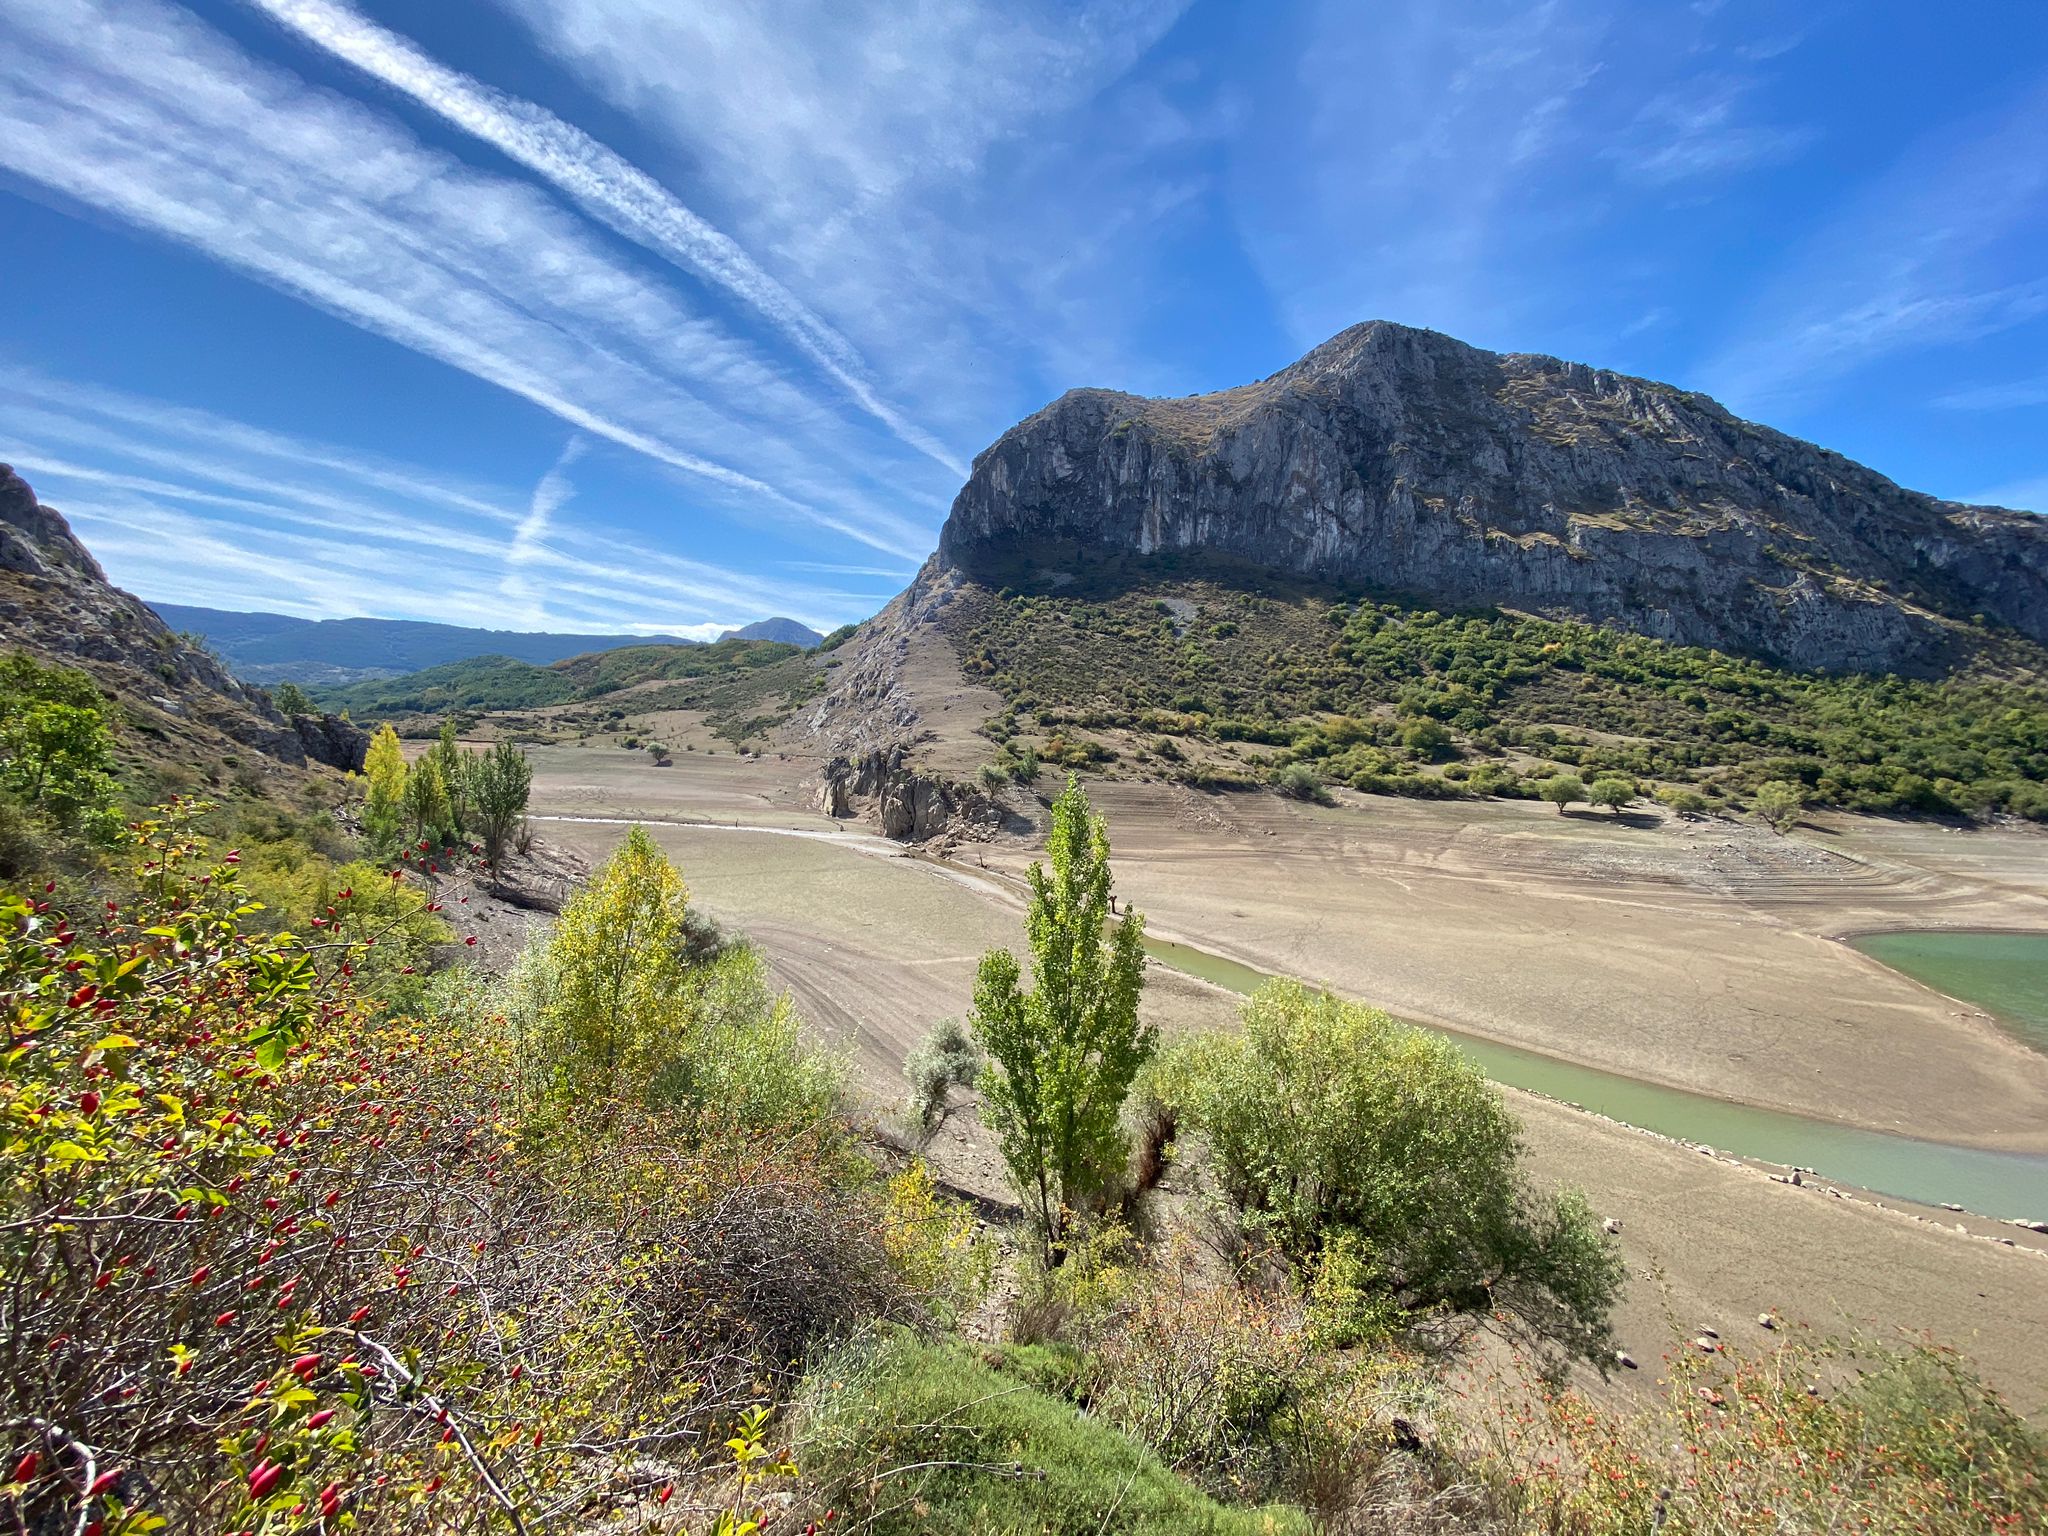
{"x": 1409, "y": 463}
{"x": 907, "y": 805}
{"x": 57, "y": 602}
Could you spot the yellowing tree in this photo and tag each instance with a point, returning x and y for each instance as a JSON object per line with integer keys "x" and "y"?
{"x": 384, "y": 807}
{"x": 618, "y": 999}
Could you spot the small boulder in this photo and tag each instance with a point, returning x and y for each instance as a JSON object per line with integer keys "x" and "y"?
{"x": 1765, "y": 1320}
{"x": 1625, "y": 1360}
{"x": 1610, "y": 1226}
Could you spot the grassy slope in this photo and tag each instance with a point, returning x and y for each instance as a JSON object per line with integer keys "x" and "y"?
{"x": 969, "y": 1450}
{"x": 1221, "y": 676}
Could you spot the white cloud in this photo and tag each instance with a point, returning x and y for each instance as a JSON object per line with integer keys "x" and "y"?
{"x": 604, "y": 183}
{"x": 2025, "y": 495}
{"x": 913, "y": 171}
{"x": 1698, "y": 129}
{"x": 163, "y": 123}
{"x": 159, "y": 493}
{"x": 1997, "y": 397}
{"x": 527, "y": 547}
{"x": 1943, "y": 248}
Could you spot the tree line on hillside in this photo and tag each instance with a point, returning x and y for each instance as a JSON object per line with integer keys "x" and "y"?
{"x": 1387, "y": 697}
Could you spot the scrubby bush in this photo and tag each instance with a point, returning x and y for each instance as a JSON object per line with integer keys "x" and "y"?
{"x": 1629, "y": 705}
{"x": 947, "y": 1059}
{"x": 270, "y": 1265}
{"x": 1809, "y": 1436}
{"x": 1298, "y": 781}
{"x": 1323, "y": 1118}
{"x": 1683, "y": 802}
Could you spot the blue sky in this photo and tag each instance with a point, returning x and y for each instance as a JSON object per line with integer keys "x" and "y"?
{"x": 636, "y": 314}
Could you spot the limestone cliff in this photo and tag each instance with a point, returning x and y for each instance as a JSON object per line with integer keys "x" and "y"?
{"x": 1410, "y": 463}
{"x": 57, "y": 602}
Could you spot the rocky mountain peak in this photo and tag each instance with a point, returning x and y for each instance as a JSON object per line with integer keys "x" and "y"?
{"x": 1407, "y": 462}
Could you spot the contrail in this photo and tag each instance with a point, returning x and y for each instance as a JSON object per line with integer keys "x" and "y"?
{"x": 603, "y": 182}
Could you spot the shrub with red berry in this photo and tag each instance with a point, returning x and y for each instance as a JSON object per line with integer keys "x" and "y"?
{"x": 269, "y": 1264}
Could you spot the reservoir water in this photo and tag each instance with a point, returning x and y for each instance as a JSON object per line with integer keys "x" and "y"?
{"x": 1991, "y": 1183}
{"x": 2005, "y": 974}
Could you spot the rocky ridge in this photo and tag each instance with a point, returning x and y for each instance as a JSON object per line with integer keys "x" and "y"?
{"x": 56, "y": 602}
{"x": 1409, "y": 463}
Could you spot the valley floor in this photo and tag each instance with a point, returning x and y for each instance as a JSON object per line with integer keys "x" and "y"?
{"x": 1697, "y": 955}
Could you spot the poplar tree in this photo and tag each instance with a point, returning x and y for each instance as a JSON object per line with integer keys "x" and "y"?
{"x": 1064, "y": 1054}
{"x": 384, "y": 805}
{"x": 453, "y": 764}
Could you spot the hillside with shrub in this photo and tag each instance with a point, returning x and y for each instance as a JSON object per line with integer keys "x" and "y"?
{"x": 1173, "y": 668}
{"x": 745, "y": 687}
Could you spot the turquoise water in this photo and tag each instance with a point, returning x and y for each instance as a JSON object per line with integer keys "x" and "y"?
{"x": 2005, "y": 974}
{"x": 1993, "y": 1183}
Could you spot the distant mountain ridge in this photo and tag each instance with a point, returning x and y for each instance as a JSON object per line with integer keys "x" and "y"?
{"x": 275, "y": 647}
{"x": 781, "y": 631}
{"x": 1407, "y": 462}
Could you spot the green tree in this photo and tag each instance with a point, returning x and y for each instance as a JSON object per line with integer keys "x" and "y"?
{"x": 55, "y": 749}
{"x": 453, "y": 765}
{"x": 1331, "y": 1123}
{"x": 426, "y": 801}
{"x": 384, "y": 802}
{"x": 1779, "y": 804}
{"x": 1063, "y": 1055}
{"x": 500, "y": 781}
{"x": 291, "y": 699}
{"x": 1562, "y": 790}
{"x": 1612, "y": 793}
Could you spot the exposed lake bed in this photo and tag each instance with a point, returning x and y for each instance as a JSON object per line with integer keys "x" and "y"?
{"x": 1525, "y": 933}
